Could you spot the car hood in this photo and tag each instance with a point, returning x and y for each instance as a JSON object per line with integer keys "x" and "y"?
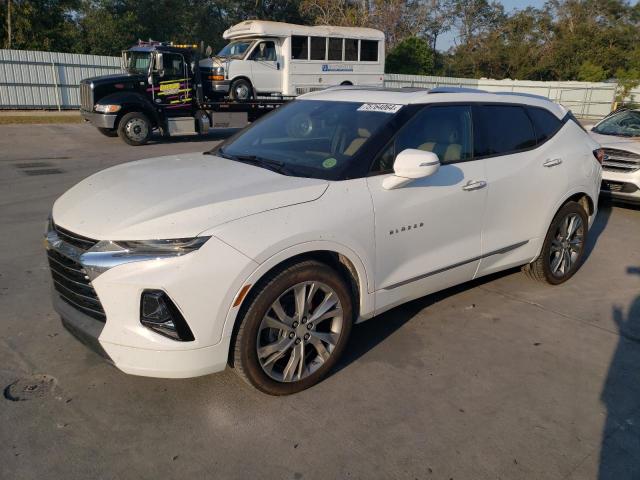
{"x": 175, "y": 197}
{"x": 630, "y": 144}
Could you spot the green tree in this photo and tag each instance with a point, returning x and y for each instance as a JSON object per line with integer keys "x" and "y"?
{"x": 412, "y": 56}
{"x": 590, "y": 72}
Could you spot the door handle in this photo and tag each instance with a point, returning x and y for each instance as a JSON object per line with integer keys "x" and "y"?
{"x": 552, "y": 162}
{"x": 474, "y": 185}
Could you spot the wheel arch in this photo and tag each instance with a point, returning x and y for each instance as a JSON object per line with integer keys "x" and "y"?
{"x": 345, "y": 262}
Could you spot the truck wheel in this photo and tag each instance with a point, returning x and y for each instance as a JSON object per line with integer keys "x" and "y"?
{"x": 134, "y": 128}
{"x": 108, "y": 132}
{"x": 241, "y": 89}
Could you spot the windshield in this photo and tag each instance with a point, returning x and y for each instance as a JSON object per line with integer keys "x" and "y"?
{"x": 137, "y": 62}
{"x": 311, "y": 138}
{"x": 235, "y": 49}
{"x": 624, "y": 124}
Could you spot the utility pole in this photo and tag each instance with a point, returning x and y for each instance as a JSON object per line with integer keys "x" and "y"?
{"x": 8, "y": 23}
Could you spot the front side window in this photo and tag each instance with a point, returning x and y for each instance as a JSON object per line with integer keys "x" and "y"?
{"x": 310, "y": 138}
{"x": 264, "y": 52}
{"x": 173, "y": 65}
{"x": 335, "y": 49}
{"x": 443, "y": 130}
{"x": 299, "y": 48}
{"x": 368, "y": 51}
{"x": 235, "y": 49}
{"x": 350, "y": 50}
{"x": 624, "y": 124}
{"x": 501, "y": 129}
{"x": 318, "y": 48}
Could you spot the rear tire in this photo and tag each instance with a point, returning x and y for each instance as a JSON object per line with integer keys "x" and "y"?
{"x": 564, "y": 246}
{"x": 302, "y": 312}
{"x": 108, "y": 132}
{"x": 134, "y": 128}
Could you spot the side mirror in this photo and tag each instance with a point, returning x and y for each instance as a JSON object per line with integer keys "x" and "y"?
{"x": 159, "y": 64}
{"x": 411, "y": 164}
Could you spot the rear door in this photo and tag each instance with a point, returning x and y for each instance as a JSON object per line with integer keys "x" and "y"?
{"x": 526, "y": 179}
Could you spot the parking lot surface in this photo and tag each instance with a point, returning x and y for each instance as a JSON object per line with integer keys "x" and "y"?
{"x": 500, "y": 378}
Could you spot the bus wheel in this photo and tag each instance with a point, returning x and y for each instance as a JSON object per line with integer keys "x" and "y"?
{"x": 108, "y": 132}
{"x": 134, "y": 128}
{"x": 241, "y": 89}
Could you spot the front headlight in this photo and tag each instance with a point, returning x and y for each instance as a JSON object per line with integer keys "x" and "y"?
{"x": 155, "y": 248}
{"x": 107, "y": 108}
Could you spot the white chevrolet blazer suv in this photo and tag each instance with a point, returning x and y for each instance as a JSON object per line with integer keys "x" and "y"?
{"x": 261, "y": 254}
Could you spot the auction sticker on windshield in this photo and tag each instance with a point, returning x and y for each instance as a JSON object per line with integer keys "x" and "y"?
{"x": 379, "y": 107}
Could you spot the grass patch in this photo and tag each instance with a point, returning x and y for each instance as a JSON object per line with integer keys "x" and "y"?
{"x": 34, "y": 119}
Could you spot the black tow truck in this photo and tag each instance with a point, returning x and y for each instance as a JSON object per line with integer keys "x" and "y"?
{"x": 165, "y": 87}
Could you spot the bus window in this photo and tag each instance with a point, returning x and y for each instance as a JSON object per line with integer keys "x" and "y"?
{"x": 318, "y": 48}
{"x": 350, "y": 50}
{"x": 335, "y": 49}
{"x": 368, "y": 51}
{"x": 299, "y": 50}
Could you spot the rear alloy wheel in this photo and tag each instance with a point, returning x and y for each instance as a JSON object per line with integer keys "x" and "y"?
{"x": 294, "y": 330}
{"x": 564, "y": 246}
{"x": 134, "y": 128}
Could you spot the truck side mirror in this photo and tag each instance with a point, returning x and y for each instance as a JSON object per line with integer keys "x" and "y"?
{"x": 159, "y": 63}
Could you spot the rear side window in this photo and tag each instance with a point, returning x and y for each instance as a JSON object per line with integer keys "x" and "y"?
{"x": 335, "y": 49}
{"x": 368, "y": 51}
{"x": 501, "y": 129}
{"x": 299, "y": 49}
{"x": 350, "y": 50}
{"x": 545, "y": 123}
{"x": 318, "y": 48}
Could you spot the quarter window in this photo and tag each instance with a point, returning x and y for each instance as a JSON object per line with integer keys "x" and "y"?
{"x": 335, "y": 49}
{"x": 501, "y": 129}
{"x": 545, "y": 123}
{"x": 318, "y": 48}
{"x": 368, "y": 51}
{"x": 299, "y": 48}
{"x": 350, "y": 50}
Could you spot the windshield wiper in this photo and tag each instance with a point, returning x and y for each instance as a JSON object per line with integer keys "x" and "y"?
{"x": 274, "y": 165}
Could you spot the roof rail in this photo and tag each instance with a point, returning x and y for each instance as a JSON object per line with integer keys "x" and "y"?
{"x": 523, "y": 94}
{"x": 456, "y": 90}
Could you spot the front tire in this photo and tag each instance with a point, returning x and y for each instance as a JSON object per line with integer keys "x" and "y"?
{"x": 294, "y": 330}
{"x": 134, "y": 128}
{"x": 241, "y": 90}
{"x": 564, "y": 246}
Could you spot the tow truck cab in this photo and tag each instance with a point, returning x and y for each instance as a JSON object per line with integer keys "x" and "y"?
{"x": 161, "y": 88}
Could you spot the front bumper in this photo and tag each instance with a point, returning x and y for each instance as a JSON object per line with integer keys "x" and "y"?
{"x": 221, "y": 86}
{"x": 201, "y": 284}
{"x": 621, "y": 186}
{"x": 99, "y": 120}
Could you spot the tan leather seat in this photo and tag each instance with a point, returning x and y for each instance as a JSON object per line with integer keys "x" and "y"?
{"x": 356, "y": 143}
{"x": 452, "y": 152}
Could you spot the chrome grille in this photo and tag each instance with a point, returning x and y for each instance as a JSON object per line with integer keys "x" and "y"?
{"x": 72, "y": 283}
{"x": 74, "y": 239}
{"x": 86, "y": 97}
{"x": 620, "y": 161}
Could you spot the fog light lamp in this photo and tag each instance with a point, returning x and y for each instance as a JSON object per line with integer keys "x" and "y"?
{"x": 161, "y": 315}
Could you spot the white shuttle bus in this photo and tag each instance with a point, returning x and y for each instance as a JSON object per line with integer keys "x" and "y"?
{"x": 274, "y": 58}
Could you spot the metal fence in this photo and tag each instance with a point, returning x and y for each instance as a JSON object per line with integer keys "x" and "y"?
{"x": 585, "y": 99}
{"x": 47, "y": 80}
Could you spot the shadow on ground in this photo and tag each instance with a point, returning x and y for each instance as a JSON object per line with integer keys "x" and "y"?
{"x": 620, "y": 449}
{"x": 214, "y": 134}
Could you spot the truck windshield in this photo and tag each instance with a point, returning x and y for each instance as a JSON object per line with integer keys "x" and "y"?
{"x": 137, "y": 62}
{"x": 235, "y": 49}
{"x": 624, "y": 124}
{"x": 310, "y": 138}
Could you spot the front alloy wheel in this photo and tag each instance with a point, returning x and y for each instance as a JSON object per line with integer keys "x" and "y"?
{"x": 294, "y": 329}
{"x": 134, "y": 128}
